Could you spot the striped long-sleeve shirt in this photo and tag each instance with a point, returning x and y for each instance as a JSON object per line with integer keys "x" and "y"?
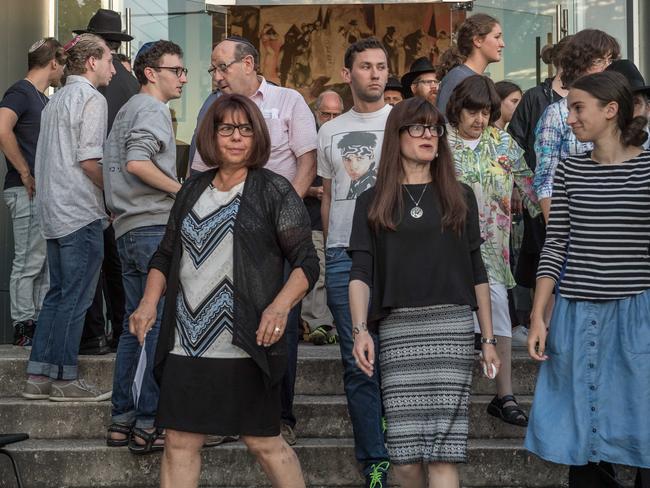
{"x": 598, "y": 236}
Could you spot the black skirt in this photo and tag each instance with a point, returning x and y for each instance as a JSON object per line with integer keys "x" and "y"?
{"x": 217, "y": 396}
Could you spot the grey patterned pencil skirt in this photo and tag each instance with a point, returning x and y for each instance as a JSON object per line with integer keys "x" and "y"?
{"x": 425, "y": 359}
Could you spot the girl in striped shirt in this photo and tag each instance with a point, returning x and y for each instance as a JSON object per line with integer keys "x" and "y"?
{"x": 593, "y": 391}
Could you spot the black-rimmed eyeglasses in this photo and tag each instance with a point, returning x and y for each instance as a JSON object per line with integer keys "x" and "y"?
{"x": 178, "y": 70}
{"x": 226, "y": 130}
{"x": 418, "y": 130}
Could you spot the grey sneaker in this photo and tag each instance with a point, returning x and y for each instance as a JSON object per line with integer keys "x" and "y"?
{"x": 77, "y": 391}
{"x": 288, "y": 434}
{"x": 520, "y": 337}
{"x": 37, "y": 389}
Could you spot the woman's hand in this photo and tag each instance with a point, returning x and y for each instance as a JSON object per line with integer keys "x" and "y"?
{"x": 537, "y": 338}
{"x": 364, "y": 352}
{"x": 490, "y": 358}
{"x": 143, "y": 319}
{"x": 272, "y": 325}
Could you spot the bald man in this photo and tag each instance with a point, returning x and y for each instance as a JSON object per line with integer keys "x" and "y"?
{"x": 328, "y": 106}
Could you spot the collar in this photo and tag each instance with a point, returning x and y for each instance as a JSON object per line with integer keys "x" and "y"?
{"x": 263, "y": 89}
{"x": 71, "y": 79}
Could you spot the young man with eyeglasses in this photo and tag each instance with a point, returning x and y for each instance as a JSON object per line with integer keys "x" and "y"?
{"x": 139, "y": 168}
{"x": 234, "y": 66}
{"x": 349, "y": 150}
{"x": 421, "y": 80}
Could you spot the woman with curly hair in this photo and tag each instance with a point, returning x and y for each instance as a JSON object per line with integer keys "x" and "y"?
{"x": 490, "y": 162}
{"x": 589, "y": 51}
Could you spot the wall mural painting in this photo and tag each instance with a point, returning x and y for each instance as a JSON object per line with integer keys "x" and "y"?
{"x": 302, "y": 47}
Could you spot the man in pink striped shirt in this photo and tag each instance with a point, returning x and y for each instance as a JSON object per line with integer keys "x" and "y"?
{"x": 290, "y": 122}
{"x": 293, "y": 155}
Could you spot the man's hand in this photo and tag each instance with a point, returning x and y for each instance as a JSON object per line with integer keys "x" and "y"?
{"x": 30, "y": 184}
{"x": 315, "y": 192}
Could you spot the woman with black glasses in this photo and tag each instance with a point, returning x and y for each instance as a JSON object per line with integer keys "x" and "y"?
{"x": 221, "y": 351}
{"x": 416, "y": 243}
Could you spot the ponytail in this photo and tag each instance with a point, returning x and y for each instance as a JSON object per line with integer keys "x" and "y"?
{"x": 635, "y": 133}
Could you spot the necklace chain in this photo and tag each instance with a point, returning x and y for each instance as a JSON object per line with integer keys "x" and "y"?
{"x": 38, "y": 92}
{"x": 417, "y": 204}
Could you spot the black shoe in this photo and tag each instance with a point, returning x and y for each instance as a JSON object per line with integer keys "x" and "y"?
{"x": 24, "y": 333}
{"x": 95, "y": 346}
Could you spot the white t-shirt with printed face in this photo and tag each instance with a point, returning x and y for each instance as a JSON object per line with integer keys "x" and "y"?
{"x": 349, "y": 149}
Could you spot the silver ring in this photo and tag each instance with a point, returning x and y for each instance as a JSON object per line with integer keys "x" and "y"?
{"x": 277, "y": 330}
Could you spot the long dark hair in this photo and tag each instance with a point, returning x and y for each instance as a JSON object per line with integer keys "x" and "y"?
{"x": 388, "y": 201}
{"x": 610, "y": 86}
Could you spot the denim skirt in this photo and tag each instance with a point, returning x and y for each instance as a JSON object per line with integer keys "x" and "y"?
{"x": 592, "y": 399}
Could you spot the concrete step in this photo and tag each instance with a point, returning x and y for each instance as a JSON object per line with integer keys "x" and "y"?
{"x": 325, "y": 462}
{"x": 324, "y": 416}
{"x": 319, "y": 371}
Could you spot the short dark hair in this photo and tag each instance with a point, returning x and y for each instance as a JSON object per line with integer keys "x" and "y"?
{"x": 582, "y": 50}
{"x": 123, "y": 58}
{"x": 150, "y": 57}
{"x": 207, "y": 134}
{"x": 476, "y": 92}
{"x": 505, "y": 87}
{"x": 477, "y": 25}
{"x": 42, "y": 52}
{"x": 360, "y": 46}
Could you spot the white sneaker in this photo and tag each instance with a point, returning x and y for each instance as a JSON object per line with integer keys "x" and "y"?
{"x": 520, "y": 337}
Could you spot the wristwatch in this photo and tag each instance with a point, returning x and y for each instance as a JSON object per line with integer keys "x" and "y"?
{"x": 485, "y": 340}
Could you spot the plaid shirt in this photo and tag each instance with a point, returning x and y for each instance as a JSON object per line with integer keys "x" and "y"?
{"x": 554, "y": 142}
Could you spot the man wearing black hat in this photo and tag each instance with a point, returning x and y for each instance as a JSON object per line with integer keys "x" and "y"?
{"x": 393, "y": 92}
{"x": 640, "y": 90}
{"x": 107, "y": 24}
{"x": 421, "y": 81}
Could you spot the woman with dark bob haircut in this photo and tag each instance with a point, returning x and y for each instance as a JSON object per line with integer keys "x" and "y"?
{"x": 491, "y": 163}
{"x": 416, "y": 243}
{"x": 593, "y": 390}
{"x": 221, "y": 353}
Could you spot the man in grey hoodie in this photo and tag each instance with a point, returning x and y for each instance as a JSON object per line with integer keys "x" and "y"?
{"x": 140, "y": 182}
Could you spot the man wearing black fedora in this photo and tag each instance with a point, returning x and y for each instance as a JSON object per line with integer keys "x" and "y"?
{"x": 640, "y": 90}
{"x": 393, "y": 93}
{"x": 108, "y": 25}
{"x": 421, "y": 80}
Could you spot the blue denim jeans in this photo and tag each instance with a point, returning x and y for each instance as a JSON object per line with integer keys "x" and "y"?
{"x": 74, "y": 262}
{"x": 289, "y": 379}
{"x": 135, "y": 249}
{"x": 363, "y": 393}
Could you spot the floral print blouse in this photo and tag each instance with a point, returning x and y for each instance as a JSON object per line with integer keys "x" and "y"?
{"x": 491, "y": 169}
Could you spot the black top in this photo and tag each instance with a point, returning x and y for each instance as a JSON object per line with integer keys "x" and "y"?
{"x": 598, "y": 237}
{"x": 123, "y": 86}
{"x": 313, "y": 207}
{"x": 419, "y": 264}
{"x": 272, "y": 226}
{"x": 27, "y": 103}
{"x": 527, "y": 114}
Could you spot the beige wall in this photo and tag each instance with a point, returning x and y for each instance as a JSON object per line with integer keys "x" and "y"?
{"x": 22, "y": 22}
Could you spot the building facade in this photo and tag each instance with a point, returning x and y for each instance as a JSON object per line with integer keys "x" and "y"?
{"x": 312, "y": 36}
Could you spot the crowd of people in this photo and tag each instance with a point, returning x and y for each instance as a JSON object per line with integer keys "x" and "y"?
{"x": 386, "y": 228}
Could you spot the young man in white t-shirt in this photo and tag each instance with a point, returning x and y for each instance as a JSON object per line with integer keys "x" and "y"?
{"x": 349, "y": 150}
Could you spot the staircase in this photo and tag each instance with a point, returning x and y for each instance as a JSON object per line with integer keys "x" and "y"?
{"x": 67, "y": 447}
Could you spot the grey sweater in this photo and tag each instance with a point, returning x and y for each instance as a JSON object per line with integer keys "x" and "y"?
{"x": 142, "y": 130}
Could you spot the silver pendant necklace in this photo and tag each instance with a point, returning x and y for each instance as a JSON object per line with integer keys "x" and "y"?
{"x": 416, "y": 211}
